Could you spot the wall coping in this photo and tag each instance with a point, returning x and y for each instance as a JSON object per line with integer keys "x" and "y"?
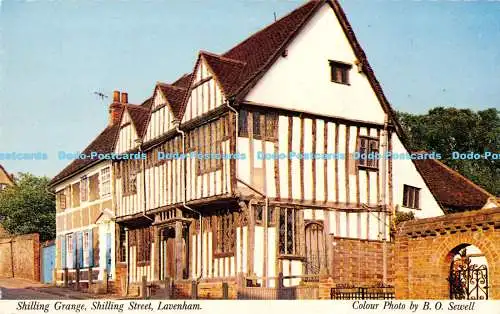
{"x": 483, "y": 219}
{"x": 29, "y": 236}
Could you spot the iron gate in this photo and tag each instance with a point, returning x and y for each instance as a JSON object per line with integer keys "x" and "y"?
{"x": 468, "y": 281}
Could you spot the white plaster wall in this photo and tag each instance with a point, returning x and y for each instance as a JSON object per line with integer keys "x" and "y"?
{"x": 405, "y": 172}
{"x": 301, "y": 81}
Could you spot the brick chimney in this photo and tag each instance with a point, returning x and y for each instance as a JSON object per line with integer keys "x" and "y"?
{"x": 115, "y": 108}
{"x": 124, "y": 98}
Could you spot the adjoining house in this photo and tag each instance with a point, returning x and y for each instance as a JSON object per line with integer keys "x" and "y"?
{"x": 299, "y": 87}
{"x": 6, "y": 180}
{"x": 85, "y": 228}
{"x": 452, "y": 190}
{"x": 273, "y": 191}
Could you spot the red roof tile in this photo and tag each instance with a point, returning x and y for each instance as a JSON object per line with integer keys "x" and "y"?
{"x": 236, "y": 68}
{"x": 104, "y": 143}
{"x": 227, "y": 71}
{"x": 450, "y": 188}
{"x": 8, "y": 175}
{"x": 139, "y": 116}
{"x": 175, "y": 96}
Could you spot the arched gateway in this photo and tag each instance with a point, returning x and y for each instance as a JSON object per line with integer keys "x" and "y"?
{"x": 449, "y": 257}
{"x": 468, "y": 273}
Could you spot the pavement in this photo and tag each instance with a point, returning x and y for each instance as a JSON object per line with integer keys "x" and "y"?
{"x": 22, "y": 289}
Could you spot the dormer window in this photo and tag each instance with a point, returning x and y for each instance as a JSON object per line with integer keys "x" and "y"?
{"x": 339, "y": 72}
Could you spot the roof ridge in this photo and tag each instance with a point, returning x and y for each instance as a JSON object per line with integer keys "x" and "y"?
{"x": 133, "y": 106}
{"x": 180, "y": 78}
{"x": 268, "y": 26}
{"x": 222, "y": 58}
{"x": 459, "y": 175}
{"x": 6, "y": 173}
{"x": 169, "y": 85}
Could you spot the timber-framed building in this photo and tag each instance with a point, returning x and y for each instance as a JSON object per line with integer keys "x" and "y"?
{"x": 300, "y": 93}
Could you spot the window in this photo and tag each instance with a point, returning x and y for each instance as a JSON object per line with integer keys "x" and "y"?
{"x": 123, "y": 245}
{"x": 143, "y": 238}
{"x": 225, "y": 239}
{"x": 288, "y": 233}
{"x": 243, "y": 123}
{"x": 105, "y": 182}
{"x": 259, "y": 214}
{"x": 339, "y": 72}
{"x": 259, "y": 211}
{"x": 256, "y": 124}
{"x": 3, "y": 186}
{"x": 94, "y": 187}
{"x": 368, "y": 151}
{"x": 207, "y": 142}
{"x": 75, "y": 188}
{"x": 270, "y": 216}
{"x": 69, "y": 251}
{"x": 411, "y": 197}
{"x": 61, "y": 199}
{"x": 268, "y": 132}
{"x": 129, "y": 178}
{"x": 84, "y": 189}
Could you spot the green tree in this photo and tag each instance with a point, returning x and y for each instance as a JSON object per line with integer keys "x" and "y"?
{"x": 446, "y": 130}
{"x": 28, "y": 207}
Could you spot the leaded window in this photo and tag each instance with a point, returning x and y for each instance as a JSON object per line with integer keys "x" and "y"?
{"x": 226, "y": 235}
{"x": 268, "y": 131}
{"x": 288, "y": 231}
{"x": 143, "y": 238}
{"x": 129, "y": 178}
{"x": 368, "y": 150}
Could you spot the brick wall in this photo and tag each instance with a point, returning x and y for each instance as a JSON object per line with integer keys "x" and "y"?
{"x": 213, "y": 290}
{"x": 20, "y": 257}
{"x": 425, "y": 248}
{"x": 181, "y": 290}
{"x": 361, "y": 262}
{"x": 121, "y": 278}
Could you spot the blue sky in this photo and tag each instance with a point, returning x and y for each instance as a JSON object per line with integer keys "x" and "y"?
{"x": 55, "y": 54}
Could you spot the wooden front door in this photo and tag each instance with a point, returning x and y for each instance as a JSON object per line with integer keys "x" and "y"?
{"x": 169, "y": 253}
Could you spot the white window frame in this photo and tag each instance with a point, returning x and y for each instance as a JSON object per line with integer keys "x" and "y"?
{"x": 69, "y": 251}
{"x": 105, "y": 181}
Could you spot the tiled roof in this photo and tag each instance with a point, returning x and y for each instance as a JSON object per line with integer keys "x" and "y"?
{"x": 238, "y": 69}
{"x": 104, "y": 143}
{"x": 2, "y": 169}
{"x": 260, "y": 50}
{"x": 227, "y": 71}
{"x": 139, "y": 116}
{"x": 234, "y": 70}
{"x": 175, "y": 95}
{"x": 148, "y": 103}
{"x": 183, "y": 81}
{"x": 450, "y": 188}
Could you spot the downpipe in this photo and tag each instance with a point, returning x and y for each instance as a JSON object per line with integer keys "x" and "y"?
{"x": 143, "y": 166}
{"x": 385, "y": 145}
{"x": 183, "y": 134}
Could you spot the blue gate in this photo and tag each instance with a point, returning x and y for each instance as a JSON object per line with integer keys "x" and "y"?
{"x": 48, "y": 262}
